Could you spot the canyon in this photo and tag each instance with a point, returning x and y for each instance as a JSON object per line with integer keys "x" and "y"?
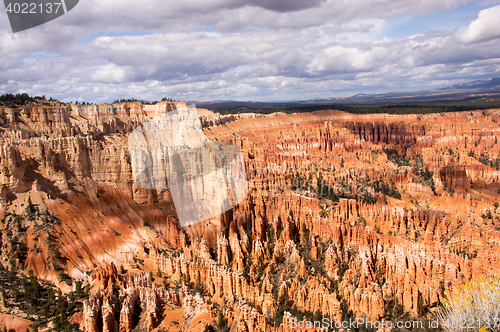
{"x": 346, "y": 215}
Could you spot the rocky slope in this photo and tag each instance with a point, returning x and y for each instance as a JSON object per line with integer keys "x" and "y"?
{"x": 346, "y": 216}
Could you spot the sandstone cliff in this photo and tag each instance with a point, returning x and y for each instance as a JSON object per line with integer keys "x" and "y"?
{"x": 347, "y": 215}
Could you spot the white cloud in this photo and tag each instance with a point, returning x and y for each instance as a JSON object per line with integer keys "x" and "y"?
{"x": 260, "y": 50}
{"x": 485, "y": 27}
{"x": 111, "y": 73}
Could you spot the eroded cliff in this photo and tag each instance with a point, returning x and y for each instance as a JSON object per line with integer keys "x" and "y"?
{"x": 346, "y": 216}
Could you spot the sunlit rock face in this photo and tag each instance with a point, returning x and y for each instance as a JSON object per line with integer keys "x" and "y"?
{"x": 346, "y": 215}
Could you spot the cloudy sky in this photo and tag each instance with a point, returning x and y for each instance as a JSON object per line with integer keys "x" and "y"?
{"x": 262, "y": 50}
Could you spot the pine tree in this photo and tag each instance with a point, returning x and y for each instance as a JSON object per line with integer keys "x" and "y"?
{"x": 78, "y": 290}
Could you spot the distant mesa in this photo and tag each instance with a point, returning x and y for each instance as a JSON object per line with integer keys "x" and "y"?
{"x": 455, "y": 93}
{"x": 494, "y": 82}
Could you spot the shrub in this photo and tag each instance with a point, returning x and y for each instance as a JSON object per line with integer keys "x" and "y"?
{"x": 476, "y": 302}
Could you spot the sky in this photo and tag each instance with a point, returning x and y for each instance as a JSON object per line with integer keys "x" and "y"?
{"x": 259, "y": 50}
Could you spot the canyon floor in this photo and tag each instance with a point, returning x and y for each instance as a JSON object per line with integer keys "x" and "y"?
{"x": 374, "y": 216}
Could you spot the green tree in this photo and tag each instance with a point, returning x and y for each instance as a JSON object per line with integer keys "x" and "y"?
{"x": 34, "y": 327}
{"x": 222, "y": 322}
